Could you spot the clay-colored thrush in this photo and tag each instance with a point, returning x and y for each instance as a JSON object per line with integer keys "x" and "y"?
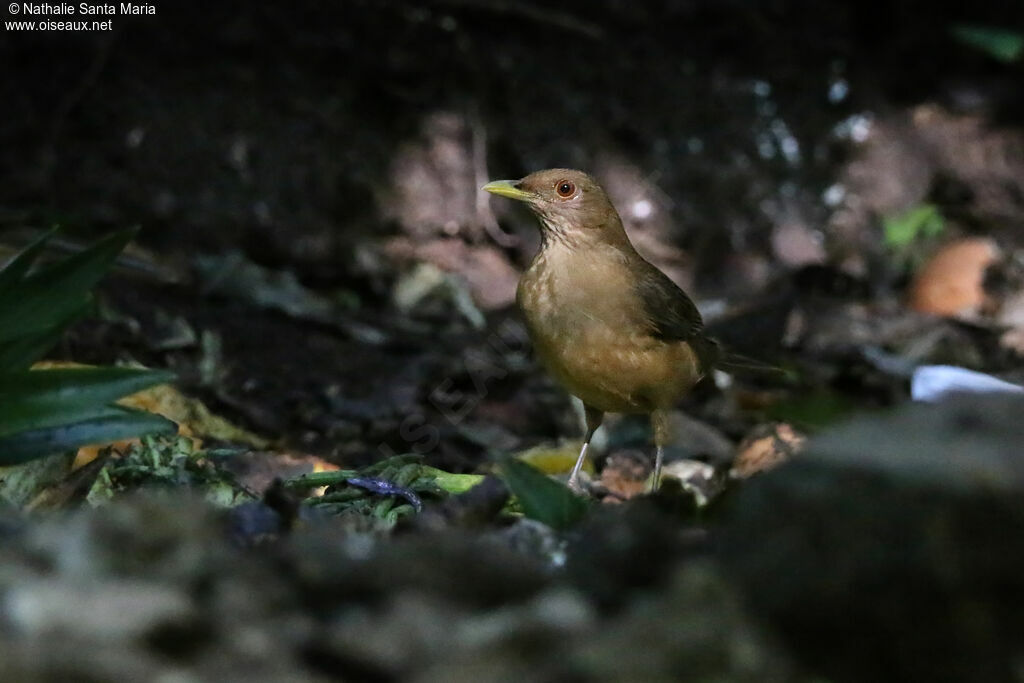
{"x": 608, "y": 325}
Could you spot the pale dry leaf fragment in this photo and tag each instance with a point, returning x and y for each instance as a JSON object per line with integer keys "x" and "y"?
{"x": 765, "y": 448}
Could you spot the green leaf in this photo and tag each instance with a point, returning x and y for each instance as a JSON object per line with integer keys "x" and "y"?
{"x": 998, "y": 43}
{"x": 921, "y": 221}
{"x": 541, "y": 497}
{"x": 43, "y": 412}
{"x": 17, "y": 267}
{"x": 37, "y": 399}
{"x": 28, "y": 417}
{"x": 452, "y": 483}
{"x": 52, "y": 295}
{"x": 62, "y": 385}
{"x": 117, "y": 424}
{"x": 20, "y": 353}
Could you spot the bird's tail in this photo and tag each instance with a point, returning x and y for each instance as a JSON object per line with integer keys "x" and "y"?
{"x": 709, "y": 353}
{"x": 713, "y": 355}
{"x": 737, "y": 361}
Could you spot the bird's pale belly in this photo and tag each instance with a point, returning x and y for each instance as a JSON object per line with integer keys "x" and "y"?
{"x": 591, "y": 332}
{"x": 617, "y": 373}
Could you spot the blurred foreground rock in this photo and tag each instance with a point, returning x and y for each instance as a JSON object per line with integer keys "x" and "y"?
{"x": 893, "y": 549}
{"x": 147, "y": 589}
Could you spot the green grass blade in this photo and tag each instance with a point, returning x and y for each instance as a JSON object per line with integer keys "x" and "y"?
{"x": 36, "y": 399}
{"x": 28, "y": 418}
{"x": 53, "y": 294}
{"x": 102, "y": 384}
{"x": 17, "y": 267}
{"x": 541, "y": 497}
{"x": 20, "y": 353}
{"x": 120, "y": 423}
{"x": 90, "y": 264}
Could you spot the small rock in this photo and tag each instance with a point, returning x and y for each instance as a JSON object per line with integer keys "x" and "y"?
{"x": 891, "y": 549}
{"x": 696, "y": 477}
{"x": 692, "y": 437}
{"x": 1011, "y": 314}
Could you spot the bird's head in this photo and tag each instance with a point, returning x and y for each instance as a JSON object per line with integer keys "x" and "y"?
{"x": 571, "y": 206}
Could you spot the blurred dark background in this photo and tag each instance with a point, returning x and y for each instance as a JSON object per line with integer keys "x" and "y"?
{"x": 296, "y": 130}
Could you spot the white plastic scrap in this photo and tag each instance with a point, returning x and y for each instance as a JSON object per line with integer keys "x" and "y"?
{"x": 934, "y": 382}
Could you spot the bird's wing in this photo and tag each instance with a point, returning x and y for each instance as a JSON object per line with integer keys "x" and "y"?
{"x": 672, "y": 315}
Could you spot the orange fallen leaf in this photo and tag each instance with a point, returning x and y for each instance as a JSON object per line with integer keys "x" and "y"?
{"x": 951, "y": 283}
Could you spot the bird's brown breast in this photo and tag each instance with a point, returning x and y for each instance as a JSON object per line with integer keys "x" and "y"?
{"x": 590, "y": 329}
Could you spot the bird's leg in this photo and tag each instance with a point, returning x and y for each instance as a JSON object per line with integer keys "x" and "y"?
{"x": 659, "y": 420}
{"x": 594, "y": 418}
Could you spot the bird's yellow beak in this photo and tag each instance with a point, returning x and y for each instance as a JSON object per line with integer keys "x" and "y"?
{"x": 507, "y": 188}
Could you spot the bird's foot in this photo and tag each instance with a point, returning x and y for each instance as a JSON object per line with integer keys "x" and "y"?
{"x": 583, "y": 485}
{"x": 656, "y": 475}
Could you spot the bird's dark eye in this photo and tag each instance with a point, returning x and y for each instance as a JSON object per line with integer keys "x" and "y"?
{"x": 565, "y": 188}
